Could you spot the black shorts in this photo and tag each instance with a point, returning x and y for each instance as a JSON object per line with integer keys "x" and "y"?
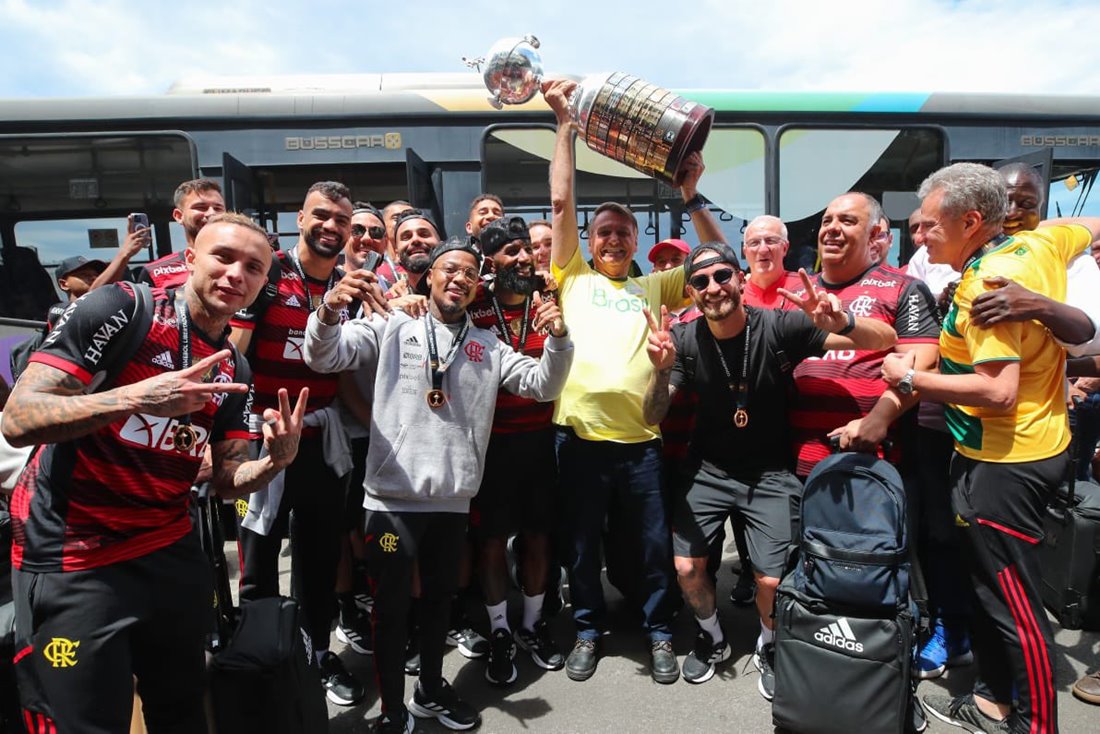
{"x": 764, "y": 504}
{"x": 82, "y": 636}
{"x": 519, "y": 489}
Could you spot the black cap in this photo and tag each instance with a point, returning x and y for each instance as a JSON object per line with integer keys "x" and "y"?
{"x": 407, "y": 214}
{"x": 453, "y": 244}
{"x": 720, "y": 253}
{"x": 499, "y": 232}
{"x": 75, "y": 262}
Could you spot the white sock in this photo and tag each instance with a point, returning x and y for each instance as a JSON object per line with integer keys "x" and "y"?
{"x": 318, "y": 654}
{"x": 532, "y": 610}
{"x": 711, "y": 627}
{"x": 498, "y": 616}
{"x": 766, "y": 637}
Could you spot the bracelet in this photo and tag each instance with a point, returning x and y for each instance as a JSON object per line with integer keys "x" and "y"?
{"x": 695, "y": 204}
{"x": 851, "y": 324}
{"x": 325, "y": 308}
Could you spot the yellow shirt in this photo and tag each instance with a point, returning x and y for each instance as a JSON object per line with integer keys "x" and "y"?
{"x": 1037, "y": 428}
{"x": 602, "y": 400}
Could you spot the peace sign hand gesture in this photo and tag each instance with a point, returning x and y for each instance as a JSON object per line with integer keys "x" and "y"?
{"x": 823, "y": 308}
{"x": 661, "y": 348}
{"x": 282, "y": 428}
{"x": 180, "y": 392}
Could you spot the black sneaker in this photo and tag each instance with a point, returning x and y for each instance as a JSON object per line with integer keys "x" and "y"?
{"x": 961, "y": 711}
{"x": 412, "y": 655}
{"x": 540, "y": 643}
{"x": 663, "y": 668}
{"x": 396, "y": 724}
{"x": 445, "y": 706}
{"x": 699, "y": 663}
{"x": 355, "y": 632}
{"x": 501, "y": 670}
{"x": 468, "y": 642}
{"x": 764, "y": 659}
{"x": 364, "y": 601}
{"x": 581, "y": 663}
{"x": 341, "y": 687}
{"x": 743, "y": 593}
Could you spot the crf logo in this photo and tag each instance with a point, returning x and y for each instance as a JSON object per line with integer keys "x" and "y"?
{"x": 223, "y": 378}
{"x": 475, "y": 351}
{"x": 292, "y": 350}
{"x": 154, "y": 432}
{"x": 862, "y": 306}
{"x": 60, "y": 652}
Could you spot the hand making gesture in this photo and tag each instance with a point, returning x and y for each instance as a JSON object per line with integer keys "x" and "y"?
{"x": 282, "y": 428}
{"x": 172, "y": 394}
{"x": 661, "y": 349}
{"x": 823, "y": 308}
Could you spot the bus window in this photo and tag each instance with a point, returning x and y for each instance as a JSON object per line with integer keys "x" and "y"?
{"x": 516, "y": 161}
{"x": 1071, "y": 192}
{"x": 817, "y": 164}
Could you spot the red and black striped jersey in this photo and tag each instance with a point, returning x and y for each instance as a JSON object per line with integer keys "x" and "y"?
{"x": 843, "y": 385}
{"x": 513, "y": 413}
{"x": 169, "y": 271}
{"x": 276, "y": 352}
{"x": 123, "y": 491}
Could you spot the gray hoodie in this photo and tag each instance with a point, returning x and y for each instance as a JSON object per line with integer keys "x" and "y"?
{"x": 424, "y": 459}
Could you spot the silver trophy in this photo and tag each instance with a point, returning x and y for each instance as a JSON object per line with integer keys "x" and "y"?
{"x": 625, "y": 118}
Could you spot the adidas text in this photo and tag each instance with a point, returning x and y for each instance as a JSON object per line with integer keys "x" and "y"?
{"x": 839, "y": 634}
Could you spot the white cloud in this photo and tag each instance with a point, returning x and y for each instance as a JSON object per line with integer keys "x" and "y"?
{"x": 86, "y": 47}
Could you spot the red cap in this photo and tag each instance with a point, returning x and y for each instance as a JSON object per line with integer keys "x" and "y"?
{"x": 674, "y": 244}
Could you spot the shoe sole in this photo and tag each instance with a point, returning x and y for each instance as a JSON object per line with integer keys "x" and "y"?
{"x": 1086, "y": 697}
{"x": 422, "y": 713}
{"x": 760, "y": 680}
{"x": 545, "y": 665}
{"x": 340, "y": 701}
{"x": 580, "y": 675}
{"x": 495, "y": 682}
{"x": 965, "y": 659}
{"x": 342, "y": 637}
{"x": 972, "y": 728}
{"x": 466, "y": 652}
{"x": 711, "y": 670}
{"x": 743, "y": 602}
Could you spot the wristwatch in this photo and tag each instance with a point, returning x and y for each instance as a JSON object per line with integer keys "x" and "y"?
{"x": 905, "y": 384}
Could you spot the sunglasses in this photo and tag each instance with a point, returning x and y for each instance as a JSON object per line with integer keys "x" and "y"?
{"x": 701, "y": 281}
{"x": 376, "y": 233}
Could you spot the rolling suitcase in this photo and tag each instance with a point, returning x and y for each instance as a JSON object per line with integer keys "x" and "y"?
{"x": 845, "y": 625}
{"x": 263, "y": 676}
{"x": 1070, "y": 555}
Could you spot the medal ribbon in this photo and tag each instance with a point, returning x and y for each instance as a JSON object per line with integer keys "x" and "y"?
{"x": 293, "y": 256}
{"x": 505, "y": 331}
{"x": 740, "y": 389}
{"x": 183, "y": 321}
{"x": 440, "y": 368}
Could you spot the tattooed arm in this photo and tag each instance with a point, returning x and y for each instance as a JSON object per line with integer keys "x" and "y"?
{"x": 48, "y": 404}
{"x": 235, "y": 475}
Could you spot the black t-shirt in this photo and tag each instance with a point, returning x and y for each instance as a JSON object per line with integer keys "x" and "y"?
{"x": 779, "y": 340}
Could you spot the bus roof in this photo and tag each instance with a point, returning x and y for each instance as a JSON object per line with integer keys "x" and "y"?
{"x": 346, "y": 95}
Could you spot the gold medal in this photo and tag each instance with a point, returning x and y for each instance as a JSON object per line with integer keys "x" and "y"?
{"x": 184, "y": 438}
{"x": 436, "y": 399}
{"x": 741, "y": 418}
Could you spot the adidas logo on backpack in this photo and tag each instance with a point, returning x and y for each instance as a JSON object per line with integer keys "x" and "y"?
{"x": 839, "y": 634}
{"x": 164, "y": 359}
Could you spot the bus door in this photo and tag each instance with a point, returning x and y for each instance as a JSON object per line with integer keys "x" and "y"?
{"x": 425, "y": 188}
{"x": 244, "y": 192}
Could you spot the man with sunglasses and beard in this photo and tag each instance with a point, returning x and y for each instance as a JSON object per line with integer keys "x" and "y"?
{"x": 436, "y": 382}
{"x": 366, "y": 245}
{"x": 520, "y": 455}
{"x": 738, "y": 360}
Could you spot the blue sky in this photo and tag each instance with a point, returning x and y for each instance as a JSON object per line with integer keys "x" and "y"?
{"x": 112, "y": 47}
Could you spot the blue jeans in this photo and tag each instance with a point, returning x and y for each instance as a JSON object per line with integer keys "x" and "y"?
{"x": 593, "y": 475}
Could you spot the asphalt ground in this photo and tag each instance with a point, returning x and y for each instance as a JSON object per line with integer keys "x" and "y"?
{"x": 621, "y": 697}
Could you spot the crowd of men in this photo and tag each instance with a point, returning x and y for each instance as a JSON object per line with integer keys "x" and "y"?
{"x": 402, "y": 405}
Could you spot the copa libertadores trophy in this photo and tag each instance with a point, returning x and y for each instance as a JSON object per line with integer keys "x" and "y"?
{"x": 625, "y": 118}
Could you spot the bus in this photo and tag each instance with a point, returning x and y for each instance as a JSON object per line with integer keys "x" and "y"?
{"x": 71, "y": 170}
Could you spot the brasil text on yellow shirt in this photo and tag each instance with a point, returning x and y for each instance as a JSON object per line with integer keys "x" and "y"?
{"x": 602, "y": 400}
{"x": 1037, "y": 428}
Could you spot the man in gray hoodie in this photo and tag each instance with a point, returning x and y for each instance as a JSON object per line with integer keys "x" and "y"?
{"x": 435, "y": 386}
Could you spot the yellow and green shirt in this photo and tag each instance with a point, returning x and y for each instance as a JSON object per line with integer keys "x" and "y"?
{"x": 602, "y": 400}
{"x": 1037, "y": 428}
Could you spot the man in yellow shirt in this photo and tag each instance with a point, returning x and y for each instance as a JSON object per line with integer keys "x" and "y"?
{"x": 607, "y": 452}
{"x": 1004, "y": 390}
